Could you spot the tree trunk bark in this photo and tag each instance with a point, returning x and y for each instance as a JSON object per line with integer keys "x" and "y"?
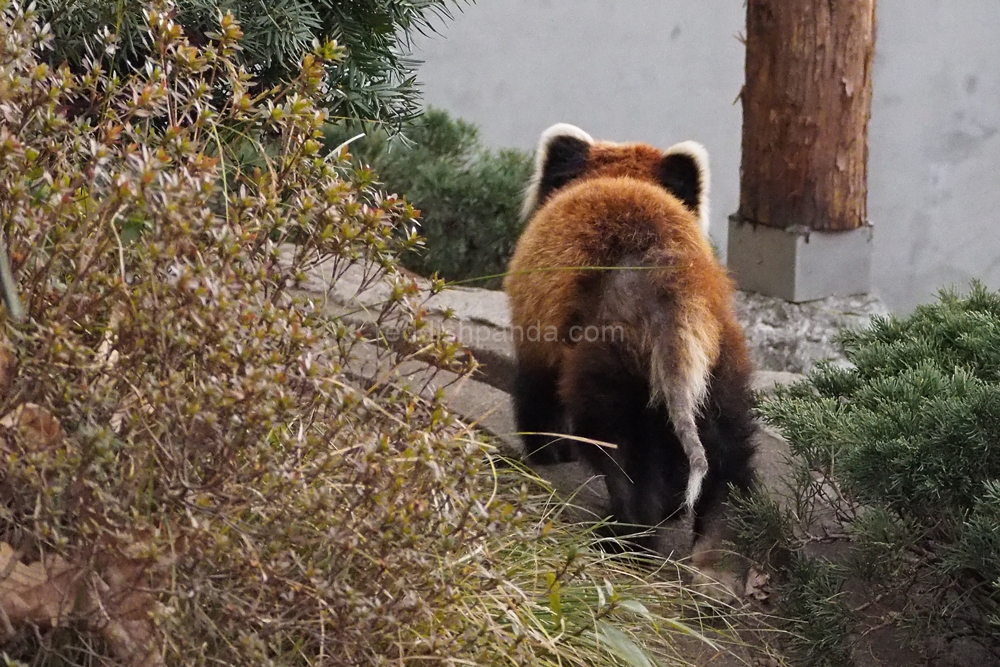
{"x": 806, "y": 105}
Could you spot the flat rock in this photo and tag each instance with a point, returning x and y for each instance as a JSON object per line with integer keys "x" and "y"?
{"x": 771, "y": 459}
{"x": 492, "y": 347}
{"x": 480, "y": 320}
{"x": 764, "y": 382}
{"x": 488, "y": 408}
{"x": 476, "y": 306}
{"x": 476, "y": 403}
{"x": 785, "y": 339}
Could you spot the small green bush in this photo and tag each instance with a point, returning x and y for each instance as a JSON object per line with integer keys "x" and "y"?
{"x": 469, "y": 197}
{"x": 375, "y": 81}
{"x": 901, "y": 448}
{"x": 812, "y": 597}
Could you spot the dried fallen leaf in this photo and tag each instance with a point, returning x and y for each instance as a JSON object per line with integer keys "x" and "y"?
{"x": 116, "y": 606}
{"x": 758, "y": 585}
{"x": 42, "y": 592}
{"x": 7, "y": 368}
{"x": 38, "y": 429}
{"x": 128, "y": 629}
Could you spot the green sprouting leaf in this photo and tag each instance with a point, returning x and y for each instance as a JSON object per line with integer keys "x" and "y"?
{"x": 622, "y": 646}
{"x": 635, "y": 607}
{"x": 555, "y": 598}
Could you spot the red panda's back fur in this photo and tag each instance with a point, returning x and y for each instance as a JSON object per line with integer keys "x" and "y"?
{"x": 590, "y": 226}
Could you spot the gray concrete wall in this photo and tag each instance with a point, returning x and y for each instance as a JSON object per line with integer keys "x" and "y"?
{"x": 662, "y": 71}
{"x": 934, "y": 160}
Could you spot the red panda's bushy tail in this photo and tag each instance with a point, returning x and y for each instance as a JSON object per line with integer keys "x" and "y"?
{"x": 675, "y": 336}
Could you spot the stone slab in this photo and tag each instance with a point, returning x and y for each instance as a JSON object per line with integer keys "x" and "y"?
{"x": 764, "y": 382}
{"x": 487, "y": 308}
{"x": 798, "y": 264}
{"x": 780, "y": 335}
{"x": 476, "y": 403}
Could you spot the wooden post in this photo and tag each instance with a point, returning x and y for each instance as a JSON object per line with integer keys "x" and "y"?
{"x": 802, "y": 231}
{"x": 806, "y": 104}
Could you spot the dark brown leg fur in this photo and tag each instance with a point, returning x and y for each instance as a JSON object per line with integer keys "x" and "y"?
{"x": 538, "y": 410}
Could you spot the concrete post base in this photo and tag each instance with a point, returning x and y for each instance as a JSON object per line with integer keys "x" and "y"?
{"x": 799, "y": 264}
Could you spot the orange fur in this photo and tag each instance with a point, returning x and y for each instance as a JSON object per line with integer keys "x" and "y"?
{"x": 613, "y": 211}
{"x": 609, "y": 205}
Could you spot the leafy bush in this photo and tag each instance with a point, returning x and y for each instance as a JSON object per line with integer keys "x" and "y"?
{"x": 812, "y": 596}
{"x": 900, "y": 448}
{"x": 192, "y": 473}
{"x": 469, "y": 197}
{"x": 374, "y": 81}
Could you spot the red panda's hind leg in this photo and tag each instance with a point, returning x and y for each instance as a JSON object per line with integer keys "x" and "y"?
{"x": 538, "y": 410}
{"x": 727, "y": 430}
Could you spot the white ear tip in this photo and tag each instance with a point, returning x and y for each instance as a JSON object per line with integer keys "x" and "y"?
{"x": 557, "y": 130}
{"x": 692, "y": 148}
{"x": 699, "y": 154}
{"x": 563, "y": 130}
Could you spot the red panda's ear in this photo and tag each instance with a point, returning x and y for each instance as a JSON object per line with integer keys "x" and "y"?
{"x": 684, "y": 172}
{"x": 560, "y": 157}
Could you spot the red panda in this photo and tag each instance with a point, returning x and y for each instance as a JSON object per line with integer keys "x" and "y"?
{"x": 625, "y": 332}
